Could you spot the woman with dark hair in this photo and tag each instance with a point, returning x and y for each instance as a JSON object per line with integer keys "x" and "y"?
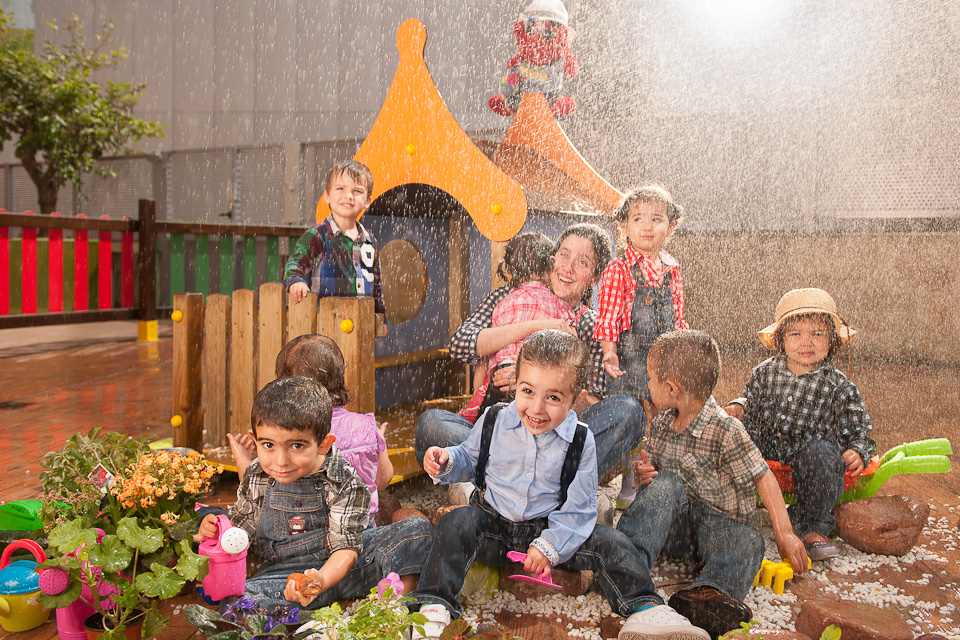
{"x": 617, "y": 422}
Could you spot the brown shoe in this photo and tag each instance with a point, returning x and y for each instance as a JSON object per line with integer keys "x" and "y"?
{"x": 710, "y": 609}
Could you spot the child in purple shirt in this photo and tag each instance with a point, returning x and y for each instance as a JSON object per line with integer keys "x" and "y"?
{"x": 360, "y": 441}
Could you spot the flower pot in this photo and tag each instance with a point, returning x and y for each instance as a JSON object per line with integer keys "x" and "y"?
{"x": 93, "y": 625}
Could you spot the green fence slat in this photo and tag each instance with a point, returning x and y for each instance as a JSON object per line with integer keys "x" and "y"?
{"x": 202, "y": 270}
{"x": 43, "y": 275}
{"x": 226, "y": 265}
{"x": 176, "y": 264}
{"x": 93, "y": 263}
{"x": 273, "y": 258}
{"x": 249, "y": 262}
{"x": 68, "y": 266}
{"x": 16, "y": 276}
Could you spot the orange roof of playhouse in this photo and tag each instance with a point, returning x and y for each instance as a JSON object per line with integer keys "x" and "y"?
{"x": 416, "y": 140}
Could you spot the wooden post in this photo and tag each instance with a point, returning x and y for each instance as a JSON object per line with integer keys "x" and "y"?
{"x": 187, "y": 370}
{"x": 497, "y": 249}
{"x": 216, "y": 329}
{"x": 273, "y": 303}
{"x": 459, "y": 293}
{"x": 350, "y": 323}
{"x": 302, "y": 317}
{"x": 146, "y": 267}
{"x": 242, "y": 363}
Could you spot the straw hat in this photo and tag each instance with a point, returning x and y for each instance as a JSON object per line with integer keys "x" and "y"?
{"x": 801, "y": 301}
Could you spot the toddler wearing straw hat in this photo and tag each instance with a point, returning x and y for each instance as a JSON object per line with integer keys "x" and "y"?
{"x": 802, "y": 411}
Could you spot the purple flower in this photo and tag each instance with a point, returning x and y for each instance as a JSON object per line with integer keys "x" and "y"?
{"x": 392, "y": 581}
{"x": 290, "y": 617}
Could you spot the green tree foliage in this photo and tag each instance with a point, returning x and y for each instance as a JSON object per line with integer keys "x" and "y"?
{"x": 65, "y": 120}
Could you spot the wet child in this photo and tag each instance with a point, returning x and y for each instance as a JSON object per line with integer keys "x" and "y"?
{"x": 641, "y": 297}
{"x": 360, "y": 441}
{"x": 305, "y": 509}
{"x": 339, "y": 256}
{"x": 699, "y": 476}
{"x": 535, "y": 468}
{"x": 803, "y": 412}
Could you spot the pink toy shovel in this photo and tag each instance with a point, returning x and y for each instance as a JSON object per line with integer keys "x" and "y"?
{"x": 516, "y": 556}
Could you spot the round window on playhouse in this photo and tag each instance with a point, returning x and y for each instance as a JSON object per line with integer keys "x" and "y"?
{"x": 404, "y": 275}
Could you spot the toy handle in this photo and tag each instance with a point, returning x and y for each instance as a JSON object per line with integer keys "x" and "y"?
{"x": 516, "y": 556}
{"x": 223, "y": 523}
{"x": 29, "y": 545}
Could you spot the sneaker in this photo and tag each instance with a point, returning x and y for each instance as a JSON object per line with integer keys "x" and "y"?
{"x": 437, "y": 620}
{"x": 821, "y": 550}
{"x": 459, "y": 492}
{"x": 604, "y": 510}
{"x": 710, "y": 609}
{"x": 628, "y": 488}
{"x": 660, "y": 622}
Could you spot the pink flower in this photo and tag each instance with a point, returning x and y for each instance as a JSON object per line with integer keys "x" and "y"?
{"x": 392, "y": 581}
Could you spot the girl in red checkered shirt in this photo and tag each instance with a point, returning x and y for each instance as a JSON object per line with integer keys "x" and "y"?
{"x": 641, "y": 297}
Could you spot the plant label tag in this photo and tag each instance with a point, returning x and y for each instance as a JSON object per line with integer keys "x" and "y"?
{"x": 101, "y": 478}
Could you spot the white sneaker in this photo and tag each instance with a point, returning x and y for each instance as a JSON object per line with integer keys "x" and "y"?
{"x": 460, "y": 492}
{"x": 660, "y": 622}
{"x": 437, "y": 620}
{"x": 604, "y": 510}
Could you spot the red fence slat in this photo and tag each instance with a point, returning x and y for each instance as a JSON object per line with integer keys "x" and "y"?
{"x": 126, "y": 268}
{"x": 80, "y": 293}
{"x": 4, "y": 269}
{"x": 28, "y": 268}
{"x": 105, "y": 269}
{"x": 55, "y": 272}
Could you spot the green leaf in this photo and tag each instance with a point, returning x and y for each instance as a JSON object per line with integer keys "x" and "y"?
{"x": 161, "y": 582}
{"x": 71, "y": 535}
{"x": 155, "y": 623}
{"x": 204, "y": 619}
{"x": 111, "y": 554}
{"x": 191, "y": 566}
{"x": 64, "y": 599}
{"x": 831, "y": 633}
{"x": 146, "y": 539}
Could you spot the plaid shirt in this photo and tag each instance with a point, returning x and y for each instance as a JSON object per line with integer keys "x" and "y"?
{"x": 336, "y": 264}
{"x": 344, "y": 494}
{"x": 715, "y": 457}
{"x": 463, "y": 343}
{"x": 617, "y": 287}
{"x": 528, "y": 301}
{"x": 782, "y": 407}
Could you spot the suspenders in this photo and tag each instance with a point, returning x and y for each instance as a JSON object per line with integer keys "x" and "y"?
{"x": 571, "y": 461}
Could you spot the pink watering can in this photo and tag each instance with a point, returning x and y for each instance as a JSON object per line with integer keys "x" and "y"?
{"x": 228, "y": 562}
{"x": 54, "y": 581}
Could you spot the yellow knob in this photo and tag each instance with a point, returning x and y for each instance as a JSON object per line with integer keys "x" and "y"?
{"x": 177, "y": 315}
{"x": 176, "y": 421}
{"x": 346, "y": 325}
{"x": 496, "y": 209}
{"x": 411, "y": 149}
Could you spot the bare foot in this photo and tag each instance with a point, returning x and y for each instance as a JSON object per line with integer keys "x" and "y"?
{"x": 244, "y": 450}
{"x": 812, "y": 537}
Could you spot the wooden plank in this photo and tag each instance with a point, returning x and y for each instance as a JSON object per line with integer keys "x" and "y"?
{"x": 243, "y": 324}
{"x": 147, "y": 261}
{"x": 4, "y": 271}
{"x": 55, "y": 271}
{"x": 350, "y": 323}
{"x": 80, "y": 255}
{"x": 126, "y": 268}
{"x": 302, "y": 317}
{"x": 273, "y": 303}
{"x": 497, "y": 249}
{"x": 188, "y": 370}
{"x": 216, "y": 391}
{"x": 28, "y": 269}
{"x": 411, "y": 357}
{"x": 459, "y": 293}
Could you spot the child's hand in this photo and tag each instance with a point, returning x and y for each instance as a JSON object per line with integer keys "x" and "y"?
{"x": 853, "y": 461}
{"x": 643, "y": 471}
{"x": 536, "y": 562}
{"x": 611, "y": 362}
{"x": 734, "y": 410}
{"x": 434, "y": 460}
{"x": 292, "y": 594}
{"x": 208, "y": 528}
{"x": 244, "y": 449}
{"x": 791, "y": 548}
{"x": 383, "y": 429}
{"x": 505, "y": 378}
{"x": 298, "y": 291}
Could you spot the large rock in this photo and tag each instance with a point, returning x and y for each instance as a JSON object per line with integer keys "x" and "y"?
{"x": 888, "y": 525}
{"x": 386, "y": 508}
{"x": 856, "y": 621}
{"x": 572, "y": 583}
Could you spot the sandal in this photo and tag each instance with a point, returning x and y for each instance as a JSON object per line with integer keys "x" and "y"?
{"x": 821, "y": 550}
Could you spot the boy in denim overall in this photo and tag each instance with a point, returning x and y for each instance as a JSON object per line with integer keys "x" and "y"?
{"x": 641, "y": 297}
{"x": 305, "y": 509}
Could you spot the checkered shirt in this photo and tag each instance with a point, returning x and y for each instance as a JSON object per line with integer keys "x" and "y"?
{"x": 617, "y": 287}
{"x": 528, "y": 301}
{"x": 335, "y": 264}
{"x": 783, "y": 407}
{"x": 344, "y": 494}
{"x": 715, "y": 457}
{"x": 463, "y": 343}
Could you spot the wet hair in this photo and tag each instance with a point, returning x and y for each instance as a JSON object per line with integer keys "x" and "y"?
{"x": 293, "y": 404}
{"x": 357, "y": 171}
{"x": 317, "y": 357}
{"x": 602, "y": 249}
{"x": 692, "y": 358}
{"x": 528, "y": 256}
{"x": 556, "y": 349}
{"x": 835, "y": 342}
{"x": 650, "y": 193}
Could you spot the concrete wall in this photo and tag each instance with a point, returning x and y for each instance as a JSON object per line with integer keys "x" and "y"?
{"x": 899, "y": 290}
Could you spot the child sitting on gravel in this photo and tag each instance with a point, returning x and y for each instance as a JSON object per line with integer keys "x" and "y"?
{"x": 698, "y": 477}
{"x": 535, "y": 467}
{"x": 802, "y": 411}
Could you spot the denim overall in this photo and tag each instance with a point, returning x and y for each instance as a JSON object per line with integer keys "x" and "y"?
{"x": 652, "y": 315}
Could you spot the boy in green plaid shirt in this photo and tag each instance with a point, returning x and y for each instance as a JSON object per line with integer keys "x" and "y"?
{"x": 698, "y": 478}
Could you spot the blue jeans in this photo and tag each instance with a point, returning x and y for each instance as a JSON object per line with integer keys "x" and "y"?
{"x": 617, "y": 423}
{"x": 400, "y": 547}
{"x": 818, "y": 470}
{"x": 663, "y": 518}
{"x": 478, "y": 533}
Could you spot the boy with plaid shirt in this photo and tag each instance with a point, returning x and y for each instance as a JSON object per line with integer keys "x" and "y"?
{"x": 697, "y": 482}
